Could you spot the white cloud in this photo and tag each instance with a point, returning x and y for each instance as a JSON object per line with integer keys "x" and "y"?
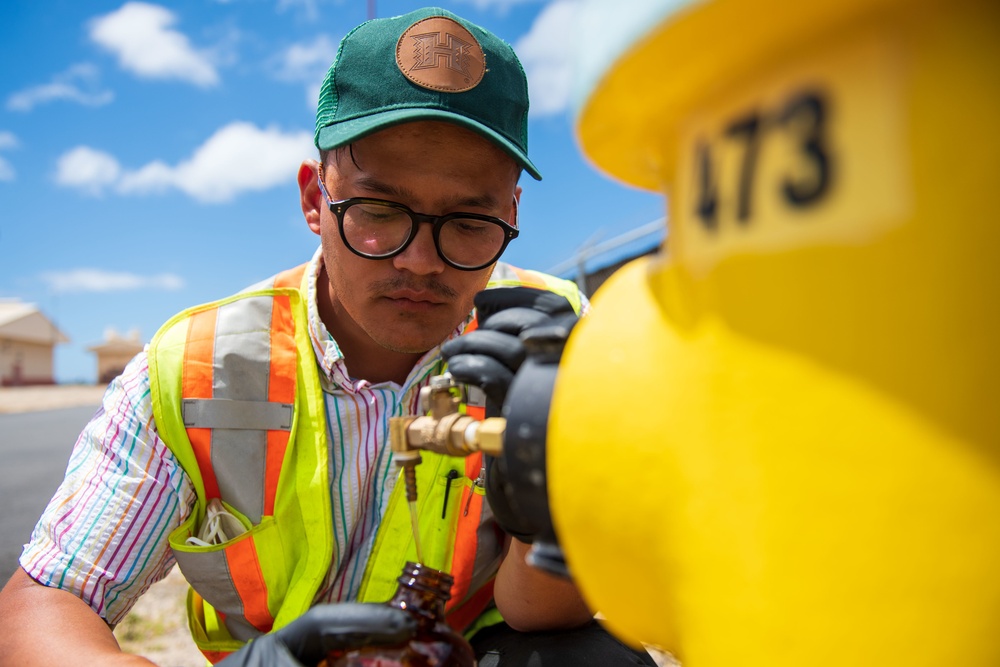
{"x": 547, "y": 55}
{"x": 99, "y": 280}
{"x": 7, "y": 141}
{"x": 501, "y": 5}
{"x": 80, "y": 84}
{"x": 238, "y": 158}
{"x": 312, "y": 94}
{"x": 301, "y": 62}
{"x": 86, "y": 169}
{"x": 310, "y": 8}
{"x": 142, "y": 37}
{"x": 306, "y": 63}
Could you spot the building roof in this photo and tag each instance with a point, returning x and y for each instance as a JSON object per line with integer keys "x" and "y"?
{"x": 115, "y": 342}
{"x": 13, "y": 309}
{"x": 24, "y": 322}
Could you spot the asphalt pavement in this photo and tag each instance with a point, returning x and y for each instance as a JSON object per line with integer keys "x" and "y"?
{"x": 35, "y": 447}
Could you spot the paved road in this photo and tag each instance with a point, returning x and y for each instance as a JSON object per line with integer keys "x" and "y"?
{"x": 35, "y": 447}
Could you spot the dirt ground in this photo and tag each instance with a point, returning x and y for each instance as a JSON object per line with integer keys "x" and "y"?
{"x": 156, "y": 628}
{"x": 30, "y": 399}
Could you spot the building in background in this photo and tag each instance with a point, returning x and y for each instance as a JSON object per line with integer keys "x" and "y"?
{"x": 114, "y": 353}
{"x": 27, "y": 344}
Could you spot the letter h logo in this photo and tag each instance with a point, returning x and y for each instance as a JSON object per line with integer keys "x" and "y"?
{"x": 430, "y": 49}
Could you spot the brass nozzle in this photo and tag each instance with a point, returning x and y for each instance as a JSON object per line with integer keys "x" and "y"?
{"x": 456, "y": 435}
{"x": 410, "y": 477}
{"x": 403, "y": 454}
{"x": 490, "y": 434}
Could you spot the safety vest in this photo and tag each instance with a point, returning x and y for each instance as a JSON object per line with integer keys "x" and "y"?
{"x": 237, "y": 399}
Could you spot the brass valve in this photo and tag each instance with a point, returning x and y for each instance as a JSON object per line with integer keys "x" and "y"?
{"x": 444, "y": 430}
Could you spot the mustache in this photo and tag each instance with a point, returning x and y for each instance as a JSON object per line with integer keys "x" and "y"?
{"x": 435, "y": 287}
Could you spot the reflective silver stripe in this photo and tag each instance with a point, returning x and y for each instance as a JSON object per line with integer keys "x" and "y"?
{"x": 208, "y": 573}
{"x": 243, "y": 349}
{"x": 241, "y": 629}
{"x": 267, "y": 283}
{"x": 242, "y": 364}
{"x": 228, "y": 414}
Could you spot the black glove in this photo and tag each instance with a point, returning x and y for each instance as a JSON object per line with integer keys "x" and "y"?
{"x": 306, "y": 641}
{"x": 489, "y": 358}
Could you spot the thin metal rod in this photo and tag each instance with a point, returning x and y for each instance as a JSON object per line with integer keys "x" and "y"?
{"x": 590, "y": 251}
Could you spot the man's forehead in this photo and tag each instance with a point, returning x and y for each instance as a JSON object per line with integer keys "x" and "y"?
{"x": 396, "y": 191}
{"x": 431, "y": 133}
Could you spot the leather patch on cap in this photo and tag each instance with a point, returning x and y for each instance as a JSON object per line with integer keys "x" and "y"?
{"x": 440, "y": 54}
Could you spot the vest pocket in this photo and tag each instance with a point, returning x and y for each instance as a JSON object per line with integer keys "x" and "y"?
{"x": 229, "y": 578}
{"x": 452, "y": 497}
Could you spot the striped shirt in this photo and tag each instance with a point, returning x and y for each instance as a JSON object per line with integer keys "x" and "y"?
{"x": 103, "y": 536}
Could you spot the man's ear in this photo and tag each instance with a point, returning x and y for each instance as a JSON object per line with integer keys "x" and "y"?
{"x": 514, "y": 206}
{"x": 310, "y": 196}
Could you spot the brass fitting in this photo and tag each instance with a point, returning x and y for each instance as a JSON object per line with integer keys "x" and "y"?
{"x": 490, "y": 435}
{"x": 445, "y": 430}
{"x": 455, "y": 434}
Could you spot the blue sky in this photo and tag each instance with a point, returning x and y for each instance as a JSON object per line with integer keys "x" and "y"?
{"x": 148, "y": 151}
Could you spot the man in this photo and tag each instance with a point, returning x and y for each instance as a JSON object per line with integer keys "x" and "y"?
{"x": 267, "y": 413}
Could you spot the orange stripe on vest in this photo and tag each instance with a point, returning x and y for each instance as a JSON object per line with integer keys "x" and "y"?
{"x": 466, "y": 542}
{"x": 198, "y": 374}
{"x": 466, "y": 614}
{"x": 290, "y": 278}
{"x": 281, "y": 389}
{"x": 241, "y": 557}
{"x": 529, "y": 279}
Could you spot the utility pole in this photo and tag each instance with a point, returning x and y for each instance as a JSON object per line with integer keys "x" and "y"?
{"x": 371, "y": 9}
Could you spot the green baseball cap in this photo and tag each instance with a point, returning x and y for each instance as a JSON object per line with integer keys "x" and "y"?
{"x": 426, "y": 65}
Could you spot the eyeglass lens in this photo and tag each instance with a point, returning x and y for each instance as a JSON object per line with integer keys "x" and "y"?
{"x": 379, "y": 230}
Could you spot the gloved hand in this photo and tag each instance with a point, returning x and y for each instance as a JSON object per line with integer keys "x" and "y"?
{"x": 488, "y": 358}
{"x": 306, "y": 641}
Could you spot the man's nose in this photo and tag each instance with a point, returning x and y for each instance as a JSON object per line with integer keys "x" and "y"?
{"x": 421, "y": 256}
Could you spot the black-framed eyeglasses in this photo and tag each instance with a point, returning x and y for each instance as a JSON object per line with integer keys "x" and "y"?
{"x": 380, "y": 229}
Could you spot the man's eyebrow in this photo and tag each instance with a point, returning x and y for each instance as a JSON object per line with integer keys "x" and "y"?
{"x": 394, "y": 192}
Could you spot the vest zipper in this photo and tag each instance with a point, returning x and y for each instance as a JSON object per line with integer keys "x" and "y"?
{"x": 480, "y": 482}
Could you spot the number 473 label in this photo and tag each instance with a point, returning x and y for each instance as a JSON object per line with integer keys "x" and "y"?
{"x": 812, "y": 155}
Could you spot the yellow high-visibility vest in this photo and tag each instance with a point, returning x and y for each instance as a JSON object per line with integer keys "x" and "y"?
{"x": 237, "y": 399}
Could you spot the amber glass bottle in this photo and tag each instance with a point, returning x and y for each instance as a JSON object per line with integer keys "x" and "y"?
{"x": 422, "y": 592}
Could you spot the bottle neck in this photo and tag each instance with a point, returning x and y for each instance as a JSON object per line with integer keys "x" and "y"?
{"x": 423, "y": 591}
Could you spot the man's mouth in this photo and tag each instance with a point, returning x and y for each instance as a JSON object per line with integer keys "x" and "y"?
{"x": 414, "y": 296}
{"x": 413, "y": 301}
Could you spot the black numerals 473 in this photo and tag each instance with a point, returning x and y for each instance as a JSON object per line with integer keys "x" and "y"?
{"x": 803, "y": 118}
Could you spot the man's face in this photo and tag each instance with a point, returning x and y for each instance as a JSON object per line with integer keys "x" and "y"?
{"x": 411, "y": 302}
